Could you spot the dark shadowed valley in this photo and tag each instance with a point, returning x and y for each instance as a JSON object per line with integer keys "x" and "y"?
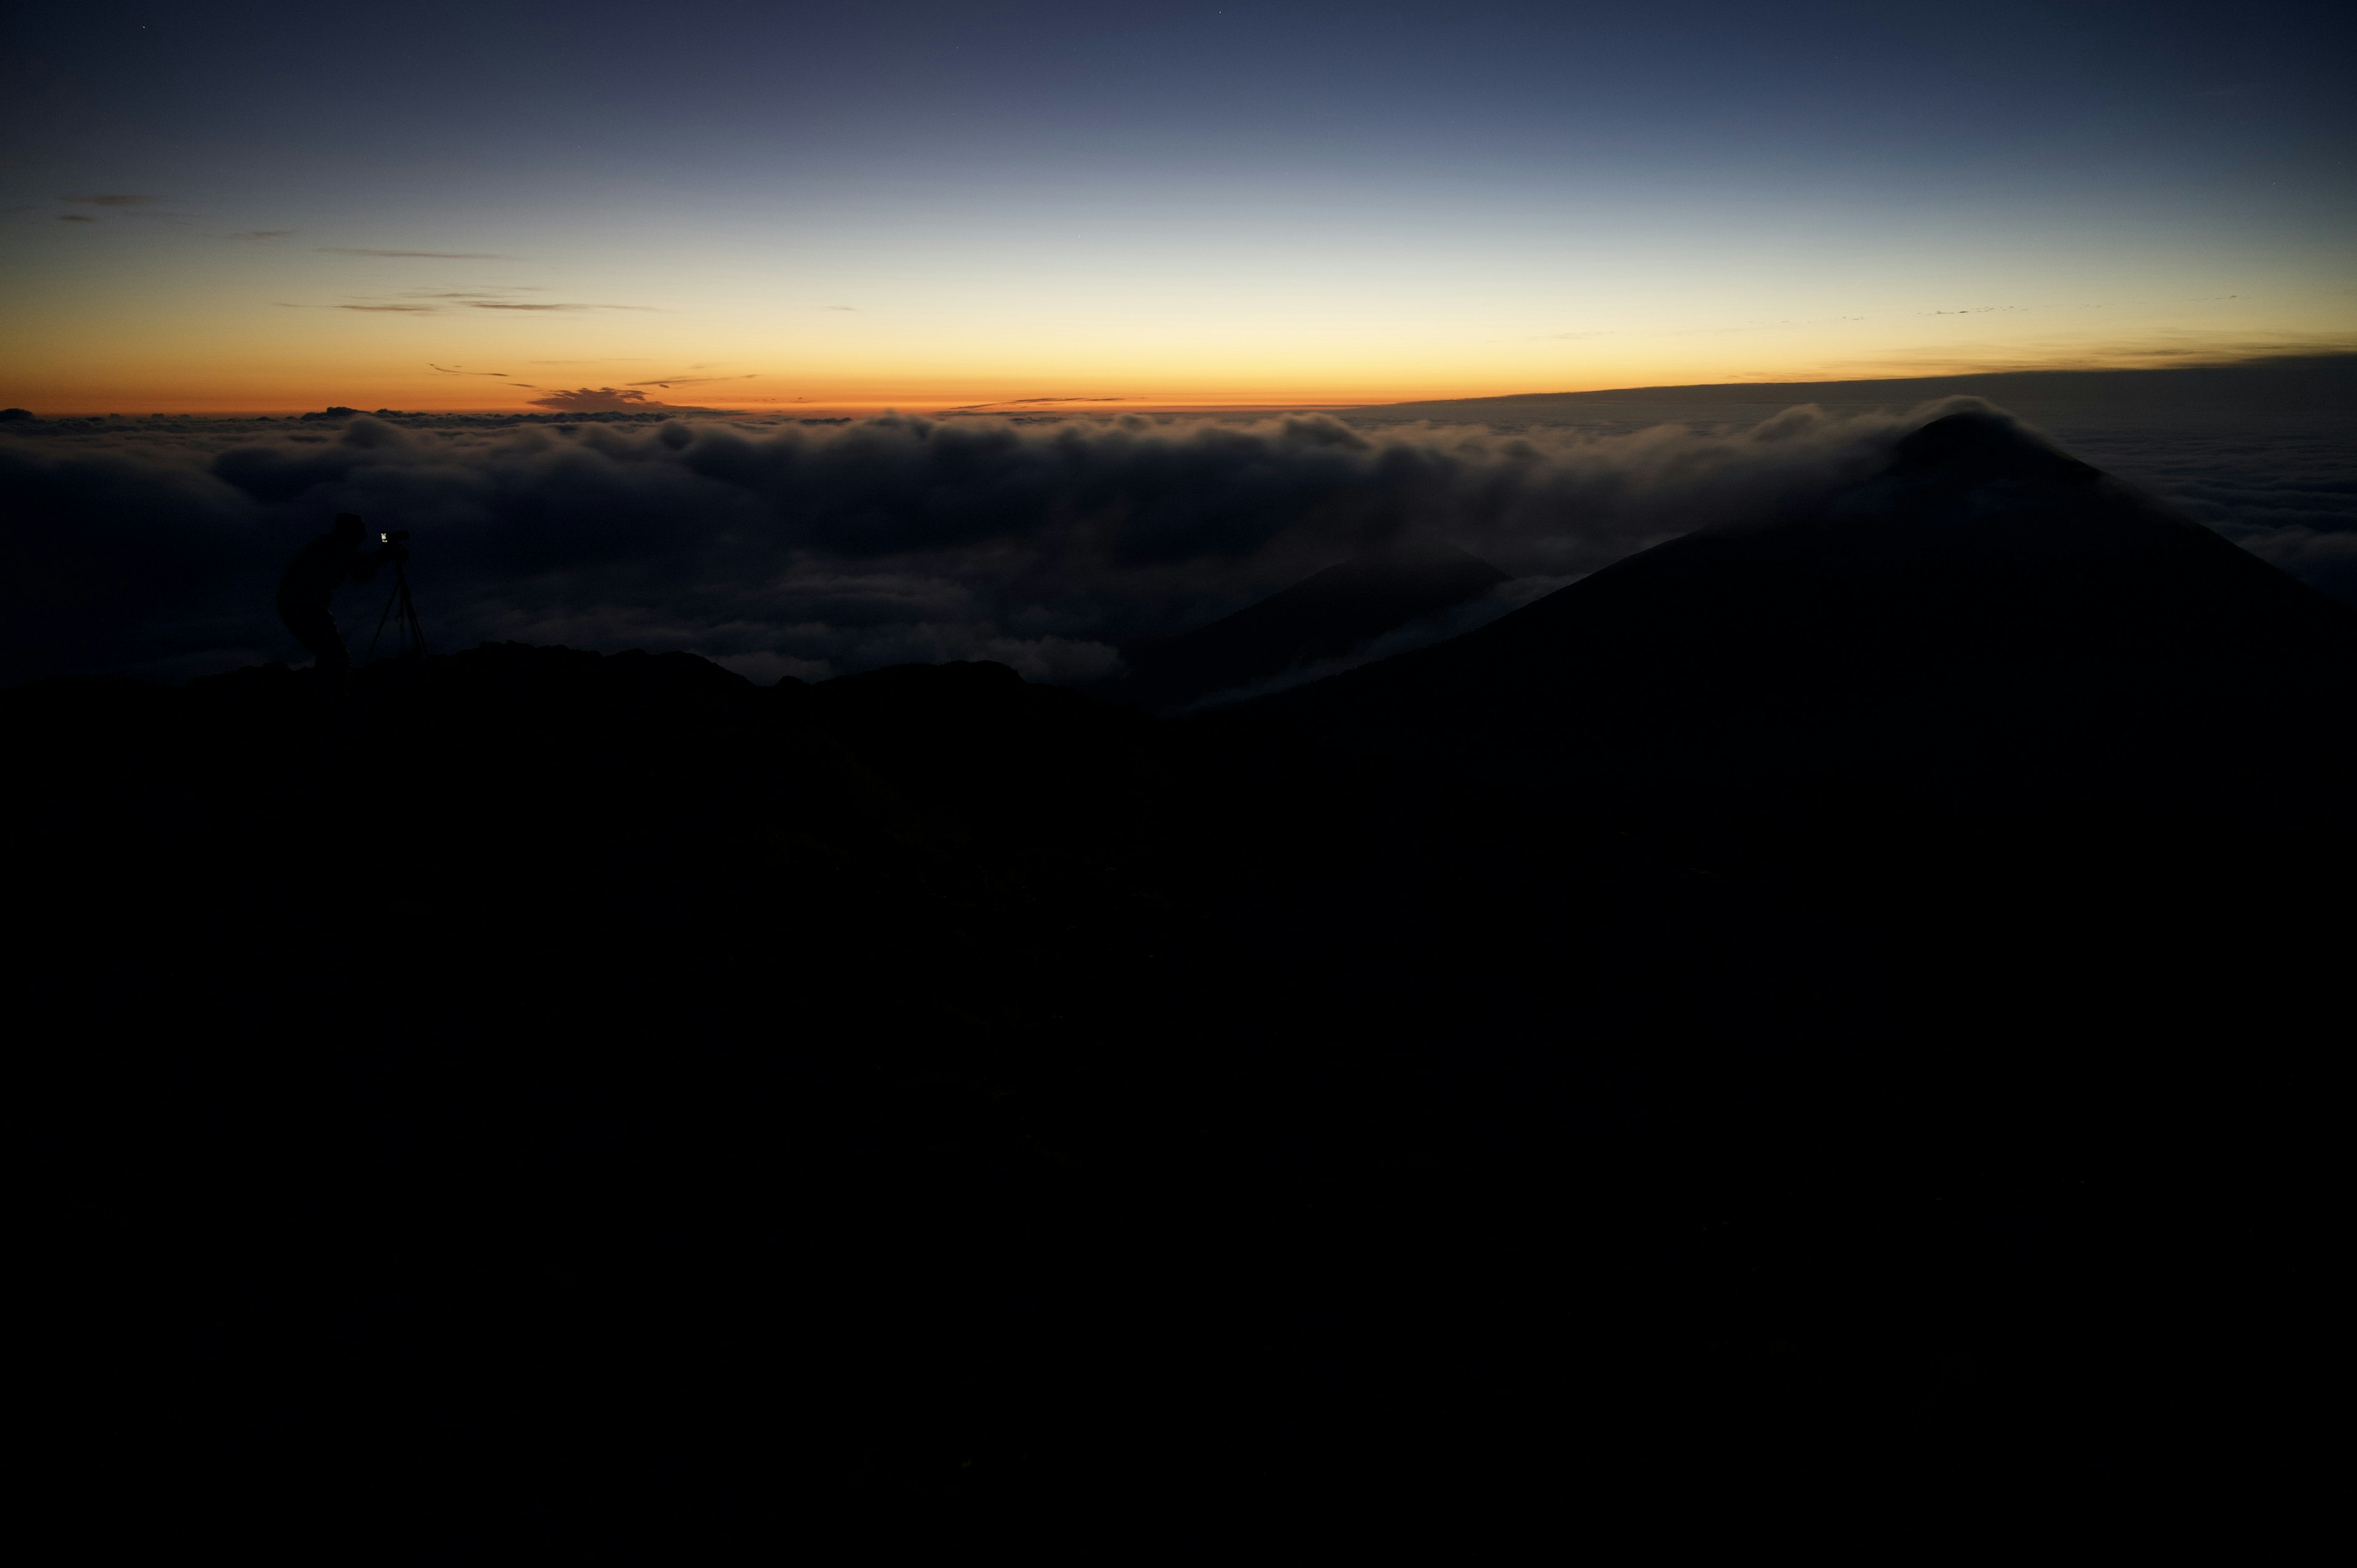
{"x": 1782, "y": 1037}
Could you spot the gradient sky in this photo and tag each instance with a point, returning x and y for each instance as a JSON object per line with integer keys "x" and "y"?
{"x": 280, "y": 207}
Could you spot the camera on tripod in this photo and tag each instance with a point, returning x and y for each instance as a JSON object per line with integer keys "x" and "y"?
{"x": 398, "y": 536}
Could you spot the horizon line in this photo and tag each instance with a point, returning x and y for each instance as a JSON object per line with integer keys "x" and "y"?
{"x": 1066, "y": 408}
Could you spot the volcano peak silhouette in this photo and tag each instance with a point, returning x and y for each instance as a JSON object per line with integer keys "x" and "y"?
{"x": 1981, "y": 613}
{"x": 1982, "y": 445}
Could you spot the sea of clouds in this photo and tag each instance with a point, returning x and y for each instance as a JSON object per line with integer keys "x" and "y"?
{"x": 152, "y": 546}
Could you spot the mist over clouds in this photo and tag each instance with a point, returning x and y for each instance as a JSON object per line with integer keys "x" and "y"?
{"x": 814, "y": 549}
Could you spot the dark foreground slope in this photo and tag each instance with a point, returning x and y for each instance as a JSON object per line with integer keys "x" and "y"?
{"x": 538, "y": 1105}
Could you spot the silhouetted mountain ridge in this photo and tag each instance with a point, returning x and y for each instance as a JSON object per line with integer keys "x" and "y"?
{"x": 2287, "y": 382}
{"x": 1985, "y": 615}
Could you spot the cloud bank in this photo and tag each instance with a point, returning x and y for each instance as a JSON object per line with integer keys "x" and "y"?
{"x": 780, "y": 547}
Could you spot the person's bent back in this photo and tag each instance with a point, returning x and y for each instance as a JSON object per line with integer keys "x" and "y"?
{"x": 310, "y": 581}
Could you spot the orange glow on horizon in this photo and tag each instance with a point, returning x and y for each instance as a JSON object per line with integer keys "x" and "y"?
{"x": 260, "y": 392}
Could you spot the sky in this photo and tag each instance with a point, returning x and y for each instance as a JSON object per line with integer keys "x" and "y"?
{"x": 273, "y": 208}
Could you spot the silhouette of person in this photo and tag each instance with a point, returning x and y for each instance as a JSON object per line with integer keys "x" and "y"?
{"x": 318, "y": 569}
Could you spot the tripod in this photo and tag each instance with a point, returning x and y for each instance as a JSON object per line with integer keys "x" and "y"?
{"x": 413, "y": 636}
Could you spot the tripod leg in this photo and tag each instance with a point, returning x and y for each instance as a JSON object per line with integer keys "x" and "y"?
{"x": 413, "y": 632}
{"x": 397, "y": 587}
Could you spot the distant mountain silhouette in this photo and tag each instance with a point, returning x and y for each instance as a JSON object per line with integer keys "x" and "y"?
{"x": 1339, "y": 612}
{"x": 2277, "y": 384}
{"x": 1985, "y": 620}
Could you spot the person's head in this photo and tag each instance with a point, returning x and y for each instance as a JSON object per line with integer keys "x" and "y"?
{"x": 348, "y": 526}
